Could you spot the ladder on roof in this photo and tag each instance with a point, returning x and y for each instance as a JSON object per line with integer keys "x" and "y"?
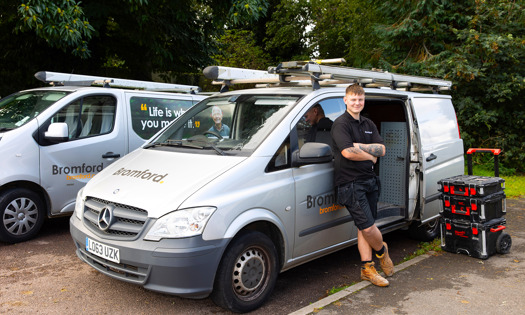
{"x": 57, "y": 78}
{"x": 317, "y": 74}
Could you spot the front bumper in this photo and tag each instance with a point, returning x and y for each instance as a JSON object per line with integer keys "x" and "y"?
{"x": 183, "y": 267}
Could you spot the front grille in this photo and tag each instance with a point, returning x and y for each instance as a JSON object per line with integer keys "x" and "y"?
{"x": 127, "y": 221}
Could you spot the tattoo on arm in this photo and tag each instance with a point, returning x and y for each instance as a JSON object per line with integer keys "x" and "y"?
{"x": 373, "y": 149}
{"x": 352, "y": 150}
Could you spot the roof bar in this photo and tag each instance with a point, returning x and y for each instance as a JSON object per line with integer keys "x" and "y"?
{"x": 316, "y": 74}
{"x": 88, "y": 80}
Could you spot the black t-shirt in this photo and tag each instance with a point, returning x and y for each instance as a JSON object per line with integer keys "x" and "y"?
{"x": 345, "y": 131}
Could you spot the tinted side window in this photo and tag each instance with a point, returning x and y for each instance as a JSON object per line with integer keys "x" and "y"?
{"x": 313, "y": 128}
{"x": 149, "y": 115}
{"x": 88, "y": 116}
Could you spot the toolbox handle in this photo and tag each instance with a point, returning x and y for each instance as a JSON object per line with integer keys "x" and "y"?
{"x": 499, "y": 228}
{"x": 495, "y": 152}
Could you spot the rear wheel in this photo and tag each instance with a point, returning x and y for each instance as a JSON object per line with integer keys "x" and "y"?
{"x": 424, "y": 232}
{"x": 503, "y": 243}
{"x": 22, "y": 214}
{"x": 247, "y": 273}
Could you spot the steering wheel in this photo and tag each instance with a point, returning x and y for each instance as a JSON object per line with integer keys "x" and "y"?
{"x": 214, "y": 133}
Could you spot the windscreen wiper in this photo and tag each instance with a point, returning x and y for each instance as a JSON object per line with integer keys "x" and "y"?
{"x": 214, "y": 147}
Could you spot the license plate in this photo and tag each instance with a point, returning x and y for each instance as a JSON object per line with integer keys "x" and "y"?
{"x": 103, "y": 250}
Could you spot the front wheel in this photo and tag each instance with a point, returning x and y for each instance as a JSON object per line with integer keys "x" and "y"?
{"x": 22, "y": 213}
{"x": 247, "y": 273}
{"x": 424, "y": 232}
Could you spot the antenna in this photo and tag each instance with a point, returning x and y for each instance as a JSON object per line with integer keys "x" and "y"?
{"x": 316, "y": 74}
{"x": 57, "y": 78}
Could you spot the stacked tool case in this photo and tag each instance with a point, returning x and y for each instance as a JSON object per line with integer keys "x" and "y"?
{"x": 472, "y": 211}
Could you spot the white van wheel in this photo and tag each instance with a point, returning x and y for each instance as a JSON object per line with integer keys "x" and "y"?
{"x": 247, "y": 273}
{"x": 22, "y": 213}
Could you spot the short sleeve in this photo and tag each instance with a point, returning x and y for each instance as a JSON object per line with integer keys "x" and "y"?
{"x": 341, "y": 136}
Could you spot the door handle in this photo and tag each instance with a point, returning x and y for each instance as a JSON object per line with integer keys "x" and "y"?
{"x": 110, "y": 155}
{"x": 431, "y": 157}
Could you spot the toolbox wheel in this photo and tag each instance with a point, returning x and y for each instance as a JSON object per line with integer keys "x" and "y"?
{"x": 503, "y": 243}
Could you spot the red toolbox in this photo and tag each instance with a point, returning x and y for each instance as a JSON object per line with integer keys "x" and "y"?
{"x": 478, "y": 210}
{"x": 479, "y": 240}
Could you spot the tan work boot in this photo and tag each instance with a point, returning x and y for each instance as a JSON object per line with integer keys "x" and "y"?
{"x": 369, "y": 273}
{"x": 386, "y": 263}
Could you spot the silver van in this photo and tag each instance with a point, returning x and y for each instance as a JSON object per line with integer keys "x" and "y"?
{"x": 196, "y": 213}
{"x": 54, "y": 139}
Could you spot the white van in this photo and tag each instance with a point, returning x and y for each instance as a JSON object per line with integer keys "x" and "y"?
{"x": 194, "y": 213}
{"x": 54, "y": 139}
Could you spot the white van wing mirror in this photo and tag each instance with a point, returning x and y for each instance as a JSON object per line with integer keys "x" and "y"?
{"x": 57, "y": 132}
{"x": 312, "y": 153}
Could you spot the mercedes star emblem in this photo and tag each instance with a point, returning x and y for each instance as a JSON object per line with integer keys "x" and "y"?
{"x": 105, "y": 218}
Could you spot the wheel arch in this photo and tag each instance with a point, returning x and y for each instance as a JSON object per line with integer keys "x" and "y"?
{"x": 33, "y": 187}
{"x": 265, "y": 222}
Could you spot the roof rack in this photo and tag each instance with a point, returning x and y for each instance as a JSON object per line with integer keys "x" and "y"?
{"x": 66, "y": 79}
{"x": 316, "y": 74}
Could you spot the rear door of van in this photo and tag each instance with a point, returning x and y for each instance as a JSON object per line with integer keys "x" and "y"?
{"x": 440, "y": 147}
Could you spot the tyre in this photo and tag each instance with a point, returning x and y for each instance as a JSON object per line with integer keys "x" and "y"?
{"x": 503, "y": 243}
{"x": 22, "y": 213}
{"x": 247, "y": 273}
{"x": 424, "y": 232}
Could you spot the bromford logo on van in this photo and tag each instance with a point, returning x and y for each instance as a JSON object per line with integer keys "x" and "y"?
{"x": 327, "y": 200}
{"x": 145, "y": 175}
{"x": 79, "y": 169}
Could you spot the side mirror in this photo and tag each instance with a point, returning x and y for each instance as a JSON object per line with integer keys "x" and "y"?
{"x": 312, "y": 153}
{"x": 57, "y": 132}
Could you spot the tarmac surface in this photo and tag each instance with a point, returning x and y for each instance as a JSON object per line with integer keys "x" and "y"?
{"x": 444, "y": 283}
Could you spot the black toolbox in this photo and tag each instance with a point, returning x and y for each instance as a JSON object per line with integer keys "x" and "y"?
{"x": 478, "y": 210}
{"x": 471, "y": 185}
{"x": 479, "y": 240}
{"x": 472, "y": 212}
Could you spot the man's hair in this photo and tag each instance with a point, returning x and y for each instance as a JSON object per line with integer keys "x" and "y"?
{"x": 355, "y": 89}
{"x": 216, "y": 108}
{"x": 320, "y": 110}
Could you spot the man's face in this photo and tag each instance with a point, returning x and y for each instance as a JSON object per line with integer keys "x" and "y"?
{"x": 354, "y": 103}
{"x": 310, "y": 116}
{"x": 216, "y": 115}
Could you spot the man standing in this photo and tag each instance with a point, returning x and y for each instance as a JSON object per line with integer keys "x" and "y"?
{"x": 357, "y": 145}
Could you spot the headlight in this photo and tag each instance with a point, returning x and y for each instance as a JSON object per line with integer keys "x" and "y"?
{"x": 180, "y": 223}
{"x": 79, "y": 204}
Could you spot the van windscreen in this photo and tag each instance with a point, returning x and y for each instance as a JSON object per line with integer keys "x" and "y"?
{"x": 229, "y": 125}
{"x": 19, "y": 108}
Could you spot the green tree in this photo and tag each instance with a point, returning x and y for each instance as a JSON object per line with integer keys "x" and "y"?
{"x": 287, "y": 31}
{"x": 305, "y": 29}
{"x": 123, "y": 38}
{"x": 479, "y": 46}
{"x": 345, "y": 28}
{"x": 61, "y": 23}
{"x": 239, "y": 49}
